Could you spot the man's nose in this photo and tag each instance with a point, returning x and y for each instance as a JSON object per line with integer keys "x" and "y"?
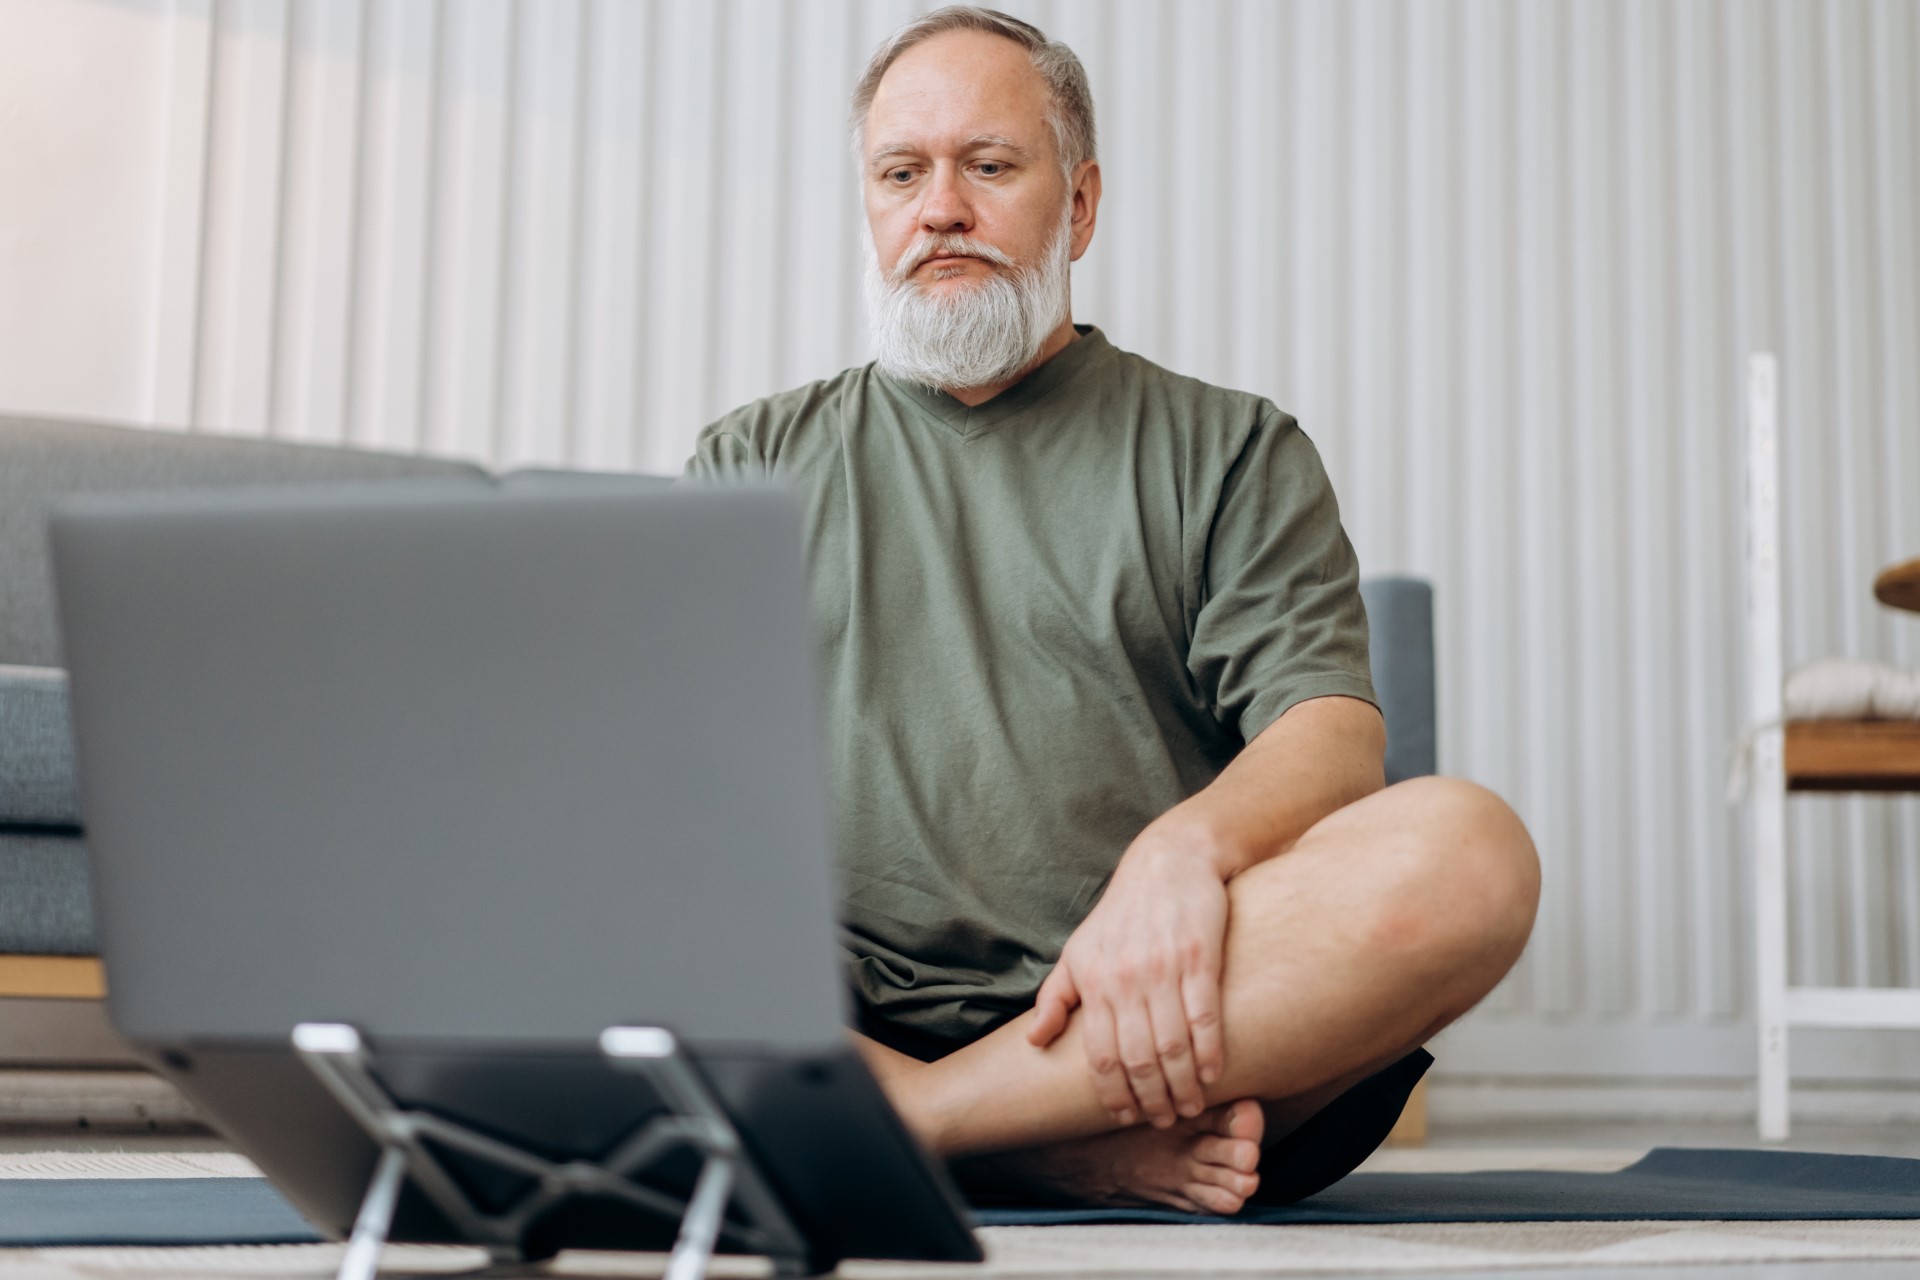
{"x": 945, "y": 206}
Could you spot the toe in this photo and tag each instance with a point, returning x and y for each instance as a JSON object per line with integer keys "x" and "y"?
{"x": 1212, "y": 1199}
{"x": 1240, "y": 1184}
{"x": 1245, "y": 1119}
{"x": 1232, "y": 1153}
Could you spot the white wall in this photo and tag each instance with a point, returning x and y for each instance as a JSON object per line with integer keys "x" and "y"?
{"x": 83, "y": 92}
{"x": 1502, "y": 258}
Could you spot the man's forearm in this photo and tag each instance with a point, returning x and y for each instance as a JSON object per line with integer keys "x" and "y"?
{"x": 1322, "y": 755}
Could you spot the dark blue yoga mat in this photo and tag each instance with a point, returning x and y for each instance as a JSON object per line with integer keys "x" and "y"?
{"x": 74, "y": 1211}
{"x": 1670, "y": 1184}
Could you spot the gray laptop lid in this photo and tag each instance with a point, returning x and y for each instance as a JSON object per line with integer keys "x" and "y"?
{"x": 439, "y": 760}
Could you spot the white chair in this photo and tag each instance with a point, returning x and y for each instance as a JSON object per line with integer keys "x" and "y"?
{"x": 1799, "y": 755}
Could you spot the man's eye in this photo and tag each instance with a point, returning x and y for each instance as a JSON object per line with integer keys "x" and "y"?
{"x": 899, "y": 177}
{"x": 992, "y": 168}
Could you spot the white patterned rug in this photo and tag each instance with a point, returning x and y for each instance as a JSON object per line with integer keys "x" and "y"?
{"x": 1053, "y": 1251}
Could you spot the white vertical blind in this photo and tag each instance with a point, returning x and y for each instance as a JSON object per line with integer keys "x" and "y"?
{"x": 1501, "y": 257}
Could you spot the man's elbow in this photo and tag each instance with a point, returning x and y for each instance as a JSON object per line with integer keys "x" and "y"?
{"x": 1349, "y": 734}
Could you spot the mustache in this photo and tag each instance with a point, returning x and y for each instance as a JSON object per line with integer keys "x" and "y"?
{"x": 946, "y": 244}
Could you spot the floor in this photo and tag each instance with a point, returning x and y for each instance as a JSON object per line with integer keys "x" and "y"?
{"x": 1457, "y": 1252}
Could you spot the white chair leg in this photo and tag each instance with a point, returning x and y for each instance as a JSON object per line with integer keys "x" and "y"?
{"x": 1770, "y": 933}
{"x": 1764, "y": 667}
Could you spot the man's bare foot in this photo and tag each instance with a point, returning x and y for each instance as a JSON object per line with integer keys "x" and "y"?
{"x": 1204, "y": 1165}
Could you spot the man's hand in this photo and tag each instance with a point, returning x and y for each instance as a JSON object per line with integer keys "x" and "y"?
{"x": 1144, "y": 970}
{"x": 1144, "y": 967}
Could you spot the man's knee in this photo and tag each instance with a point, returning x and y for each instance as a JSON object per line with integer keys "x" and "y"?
{"x": 1465, "y": 881}
{"x": 1438, "y": 871}
{"x": 1432, "y": 875}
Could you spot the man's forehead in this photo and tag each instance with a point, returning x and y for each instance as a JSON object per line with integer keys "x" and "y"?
{"x": 956, "y": 89}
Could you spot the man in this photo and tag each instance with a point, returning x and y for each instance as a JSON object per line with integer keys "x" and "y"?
{"x": 1129, "y": 914}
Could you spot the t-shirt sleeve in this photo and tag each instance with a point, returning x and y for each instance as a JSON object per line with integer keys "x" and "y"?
{"x": 722, "y": 454}
{"x": 1280, "y": 619}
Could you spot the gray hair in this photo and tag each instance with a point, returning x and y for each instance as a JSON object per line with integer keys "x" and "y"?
{"x": 1071, "y": 117}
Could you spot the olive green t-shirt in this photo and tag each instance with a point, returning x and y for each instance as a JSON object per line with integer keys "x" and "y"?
{"x": 1044, "y": 621}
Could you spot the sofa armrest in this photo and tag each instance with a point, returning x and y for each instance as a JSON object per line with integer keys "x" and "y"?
{"x": 1400, "y": 637}
{"x": 37, "y": 786}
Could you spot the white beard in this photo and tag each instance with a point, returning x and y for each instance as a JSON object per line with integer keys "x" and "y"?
{"x": 979, "y": 335}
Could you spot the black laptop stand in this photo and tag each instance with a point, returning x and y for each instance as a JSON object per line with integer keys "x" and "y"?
{"x": 693, "y": 1120}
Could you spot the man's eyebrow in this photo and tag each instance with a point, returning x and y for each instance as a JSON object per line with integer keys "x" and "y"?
{"x": 977, "y": 141}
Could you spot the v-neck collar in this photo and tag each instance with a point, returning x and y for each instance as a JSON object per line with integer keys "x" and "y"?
{"x": 1081, "y": 354}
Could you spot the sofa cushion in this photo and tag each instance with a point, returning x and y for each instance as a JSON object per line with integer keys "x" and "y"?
{"x": 37, "y": 786}
{"x": 1400, "y": 637}
{"x": 45, "y": 905}
{"x": 42, "y": 460}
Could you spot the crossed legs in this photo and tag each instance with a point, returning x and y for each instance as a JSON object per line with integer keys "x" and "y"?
{"x": 1386, "y": 921}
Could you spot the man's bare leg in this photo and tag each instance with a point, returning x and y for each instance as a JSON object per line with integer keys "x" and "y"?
{"x": 888, "y": 1065}
{"x": 1203, "y": 1165}
{"x": 1385, "y": 922}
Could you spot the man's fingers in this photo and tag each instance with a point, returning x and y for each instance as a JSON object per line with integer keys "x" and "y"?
{"x": 1200, "y": 993}
{"x": 1175, "y": 1050}
{"x": 1051, "y": 1007}
{"x": 1103, "y": 1055}
{"x": 1134, "y": 1030}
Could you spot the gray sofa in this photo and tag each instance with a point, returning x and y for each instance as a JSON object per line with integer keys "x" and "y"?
{"x": 44, "y": 899}
{"x": 44, "y": 906}
{"x": 43, "y": 890}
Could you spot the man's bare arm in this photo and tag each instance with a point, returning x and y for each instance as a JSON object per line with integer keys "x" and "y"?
{"x": 1322, "y": 755}
{"x": 1144, "y": 967}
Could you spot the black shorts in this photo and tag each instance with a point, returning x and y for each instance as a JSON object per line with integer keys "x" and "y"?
{"x": 1325, "y": 1149}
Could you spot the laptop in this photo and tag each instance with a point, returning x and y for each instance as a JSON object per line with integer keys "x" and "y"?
{"x": 479, "y": 773}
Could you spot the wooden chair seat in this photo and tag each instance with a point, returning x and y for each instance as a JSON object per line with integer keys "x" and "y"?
{"x": 1853, "y": 755}
{"x": 1898, "y": 586}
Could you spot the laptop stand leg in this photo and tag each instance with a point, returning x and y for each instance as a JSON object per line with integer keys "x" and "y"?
{"x": 693, "y": 1249}
{"x": 694, "y": 1118}
{"x": 369, "y": 1238}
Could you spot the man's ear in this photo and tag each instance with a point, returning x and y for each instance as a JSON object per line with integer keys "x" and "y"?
{"x": 1086, "y": 204}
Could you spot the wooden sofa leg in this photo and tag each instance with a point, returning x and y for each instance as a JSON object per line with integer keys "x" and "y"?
{"x": 1411, "y": 1129}
{"x": 52, "y": 977}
